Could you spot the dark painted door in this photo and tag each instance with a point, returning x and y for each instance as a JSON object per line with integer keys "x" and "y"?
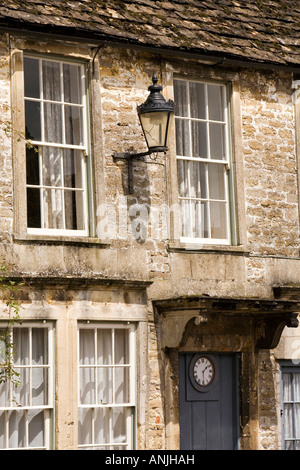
{"x": 208, "y": 401}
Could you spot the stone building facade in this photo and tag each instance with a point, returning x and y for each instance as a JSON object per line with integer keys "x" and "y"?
{"x": 112, "y": 317}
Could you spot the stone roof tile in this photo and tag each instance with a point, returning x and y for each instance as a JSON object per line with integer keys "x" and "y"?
{"x": 260, "y": 31}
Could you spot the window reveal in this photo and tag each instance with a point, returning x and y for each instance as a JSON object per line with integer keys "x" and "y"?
{"x": 202, "y": 149}
{"x": 55, "y": 123}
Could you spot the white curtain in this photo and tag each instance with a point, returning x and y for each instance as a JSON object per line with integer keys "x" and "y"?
{"x": 104, "y": 383}
{"x": 25, "y": 425}
{"x": 63, "y": 209}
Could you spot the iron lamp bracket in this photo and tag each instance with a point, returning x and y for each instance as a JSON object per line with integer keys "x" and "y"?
{"x": 134, "y": 156}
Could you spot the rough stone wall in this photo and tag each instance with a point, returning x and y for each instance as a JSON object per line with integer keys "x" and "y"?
{"x": 270, "y": 163}
{"x": 140, "y": 217}
{"x": 156, "y": 431}
{"x": 269, "y": 402}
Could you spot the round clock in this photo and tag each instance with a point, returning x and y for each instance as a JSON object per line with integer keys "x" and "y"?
{"x": 202, "y": 372}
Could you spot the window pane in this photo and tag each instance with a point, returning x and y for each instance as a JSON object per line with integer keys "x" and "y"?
{"x": 51, "y": 158}
{"x": 297, "y": 386}
{"x": 4, "y": 394}
{"x": 218, "y": 220}
{"x": 105, "y": 386}
{"x": 102, "y": 425}
{"x": 216, "y": 181}
{"x": 87, "y": 385}
{"x": 199, "y": 139}
{"x": 4, "y": 333}
{"x": 36, "y": 428}
{"x": 31, "y": 78}
{"x": 52, "y": 208}
{"x": 183, "y": 178}
{"x": 73, "y": 125}
{"x": 297, "y": 420}
{"x": 72, "y": 83}
{"x": 185, "y": 218}
{"x": 32, "y": 166}
{"x": 16, "y": 429}
{"x": 197, "y": 100}
{"x": 87, "y": 346}
{"x": 21, "y": 393}
{"x": 198, "y": 184}
{"x": 84, "y": 426}
{"x": 121, "y": 346}
{"x": 287, "y": 387}
{"x": 74, "y": 210}
{"x": 33, "y": 208}
{"x": 21, "y": 346}
{"x": 39, "y": 346}
{"x": 216, "y": 103}
{"x": 53, "y": 123}
{"x": 51, "y": 80}
{"x": 70, "y": 210}
{"x": 104, "y": 346}
{"x": 119, "y": 425}
{"x": 199, "y": 219}
{"x": 72, "y": 168}
{"x": 32, "y": 120}
{"x": 217, "y": 141}
{"x": 181, "y": 98}
{"x": 289, "y": 445}
{"x": 194, "y": 219}
{"x": 39, "y": 386}
{"x": 288, "y": 421}
{"x": 121, "y": 385}
{"x": 182, "y": 138}
{"x": 2, "y": 426}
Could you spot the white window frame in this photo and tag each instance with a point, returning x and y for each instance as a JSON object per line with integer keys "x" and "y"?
{"x": 130, "y": 406}
{"x": 48, "y": 409}
{"x": 226, "y": 163}
{"x": 84, "y": 149}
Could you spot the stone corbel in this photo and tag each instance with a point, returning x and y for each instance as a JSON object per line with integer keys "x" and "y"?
{"x": 268, "y": 330}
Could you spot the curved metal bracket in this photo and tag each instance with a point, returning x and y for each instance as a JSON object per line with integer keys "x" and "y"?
{"x": 130, "y": 157}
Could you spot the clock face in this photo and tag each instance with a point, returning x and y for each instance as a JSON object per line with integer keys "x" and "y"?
{"x": 203, "y": 371}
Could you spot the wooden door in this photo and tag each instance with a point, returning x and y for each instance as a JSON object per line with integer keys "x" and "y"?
{"x": 208, "y": 401}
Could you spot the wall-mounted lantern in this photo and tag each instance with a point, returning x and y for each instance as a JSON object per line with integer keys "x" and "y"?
{"x": 154, "y": 117}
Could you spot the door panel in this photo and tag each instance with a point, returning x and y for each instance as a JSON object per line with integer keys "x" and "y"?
{"x": 209, "y": 419}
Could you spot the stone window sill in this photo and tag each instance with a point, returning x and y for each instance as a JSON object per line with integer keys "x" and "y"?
{"x": 179, "y": 247}
{"x": 61, "y": 240}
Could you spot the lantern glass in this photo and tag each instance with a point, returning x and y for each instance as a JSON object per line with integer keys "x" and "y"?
{"x": 155, "y": 128}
